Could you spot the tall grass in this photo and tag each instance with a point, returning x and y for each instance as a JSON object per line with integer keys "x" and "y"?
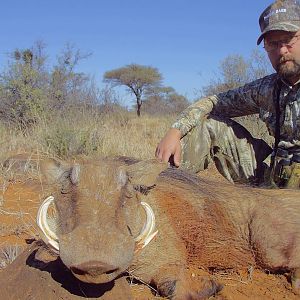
{"x": 84, "y": 132}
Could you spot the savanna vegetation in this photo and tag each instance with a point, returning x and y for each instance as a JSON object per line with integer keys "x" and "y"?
{"x": 57, "y": 110}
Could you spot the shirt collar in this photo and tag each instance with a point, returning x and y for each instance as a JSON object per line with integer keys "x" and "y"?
{"x": 288, "y": 85}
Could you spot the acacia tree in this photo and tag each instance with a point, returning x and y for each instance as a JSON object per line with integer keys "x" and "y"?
{"x": 137, "y": 78}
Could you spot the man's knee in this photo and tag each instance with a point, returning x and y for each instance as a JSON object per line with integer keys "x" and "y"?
{"x": 196, "y": 149}
{"x": 239, "y": 156}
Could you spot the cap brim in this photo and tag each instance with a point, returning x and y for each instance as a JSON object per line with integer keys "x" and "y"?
{"x": 280, "y": 26}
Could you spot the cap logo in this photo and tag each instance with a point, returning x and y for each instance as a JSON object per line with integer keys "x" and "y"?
{"x": 273, "y": 12}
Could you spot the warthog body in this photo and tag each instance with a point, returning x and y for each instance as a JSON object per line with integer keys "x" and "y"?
{"x": 199, "y": 222}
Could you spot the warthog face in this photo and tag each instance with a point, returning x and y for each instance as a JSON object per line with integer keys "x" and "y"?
{"x": 100, "y": 219}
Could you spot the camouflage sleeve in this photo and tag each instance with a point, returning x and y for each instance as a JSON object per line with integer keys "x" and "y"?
{"x": 191, "y": 116}
{"x": 242, "y": 101}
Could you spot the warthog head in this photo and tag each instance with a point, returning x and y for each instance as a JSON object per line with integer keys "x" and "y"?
{"x": 101, "y": 219}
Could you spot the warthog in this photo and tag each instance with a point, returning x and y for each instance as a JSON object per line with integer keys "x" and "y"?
{"x": 112, "y": 217}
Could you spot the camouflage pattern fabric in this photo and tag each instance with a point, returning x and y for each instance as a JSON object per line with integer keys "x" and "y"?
{"x": 294, "y": 179}
{"x": 238, "y": 156}
{"x": 252, "y": 98}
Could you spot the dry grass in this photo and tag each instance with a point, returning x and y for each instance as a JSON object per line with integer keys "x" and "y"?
{"x": 8, "y": 254}
{"x": 88, "y": 134}
{"x": 84, "y": 132}
{"x": 13, "y": 229}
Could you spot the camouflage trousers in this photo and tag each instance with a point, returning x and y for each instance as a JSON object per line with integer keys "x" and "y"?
{"x": 238, "y": 156}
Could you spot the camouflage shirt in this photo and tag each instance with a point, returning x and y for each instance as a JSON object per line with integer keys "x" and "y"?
{"x": 252, "y": 98}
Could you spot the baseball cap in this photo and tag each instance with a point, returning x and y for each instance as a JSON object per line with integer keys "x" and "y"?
{"x": 280, "y": 15}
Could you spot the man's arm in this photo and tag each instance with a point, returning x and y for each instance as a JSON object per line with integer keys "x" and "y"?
{"x": 242, "y": 101}
{"x": 169, "y": 148}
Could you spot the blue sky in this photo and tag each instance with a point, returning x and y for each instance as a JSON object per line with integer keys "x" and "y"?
{"x": 184, "y": 39}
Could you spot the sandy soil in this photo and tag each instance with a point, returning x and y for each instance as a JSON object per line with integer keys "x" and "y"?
{"x": 17, "y": 228}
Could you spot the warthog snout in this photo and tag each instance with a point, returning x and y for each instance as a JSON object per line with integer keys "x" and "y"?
{"x": 93, "y": 268}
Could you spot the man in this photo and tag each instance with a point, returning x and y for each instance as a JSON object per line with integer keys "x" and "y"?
{"x": 205, "y": 132}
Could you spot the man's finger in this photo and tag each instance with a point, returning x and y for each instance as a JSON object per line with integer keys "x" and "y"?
{"x": 166, "y": 156}
{"x": 157, "y": 152}
{"x": 177, "y": 156}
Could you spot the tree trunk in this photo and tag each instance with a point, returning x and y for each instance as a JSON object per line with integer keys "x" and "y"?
{"x": 139, "y": 105}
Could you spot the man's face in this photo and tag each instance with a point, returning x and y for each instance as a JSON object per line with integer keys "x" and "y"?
{"x": 283, "y": 49}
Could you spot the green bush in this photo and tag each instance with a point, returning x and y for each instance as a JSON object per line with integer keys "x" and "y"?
{"x": 65, "y": 142}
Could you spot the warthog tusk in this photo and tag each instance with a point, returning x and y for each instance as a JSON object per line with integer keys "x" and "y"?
{"x": 48, "y": 236}
{"x": 148, "y": 232}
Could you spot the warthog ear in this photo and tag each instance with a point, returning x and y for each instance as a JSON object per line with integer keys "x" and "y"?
{"x": 70, "y": 177}
{"x": 121, "y": 177}
{"x": 23, "y": 166}
{"x": 54, "y": 170}
{"x": 75, "y": 172}
{"x": 144, "y": 173}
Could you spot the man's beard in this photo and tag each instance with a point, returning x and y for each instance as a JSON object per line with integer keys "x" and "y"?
{"x": 290, "y": 70}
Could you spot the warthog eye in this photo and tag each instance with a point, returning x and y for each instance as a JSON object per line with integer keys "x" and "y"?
{"x": 143, "y": 189}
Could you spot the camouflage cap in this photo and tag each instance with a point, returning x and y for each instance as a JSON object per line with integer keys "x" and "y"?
{"x": 280, "y": 15}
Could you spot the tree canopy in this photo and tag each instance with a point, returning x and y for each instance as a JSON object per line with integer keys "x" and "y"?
{"x": 139, "y": 79}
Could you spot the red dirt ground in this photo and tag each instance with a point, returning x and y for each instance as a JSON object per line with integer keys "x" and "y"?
{"x": 17, "y": 219}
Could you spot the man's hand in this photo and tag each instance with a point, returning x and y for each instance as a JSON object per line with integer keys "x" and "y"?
{"x": 169, "y": 148}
